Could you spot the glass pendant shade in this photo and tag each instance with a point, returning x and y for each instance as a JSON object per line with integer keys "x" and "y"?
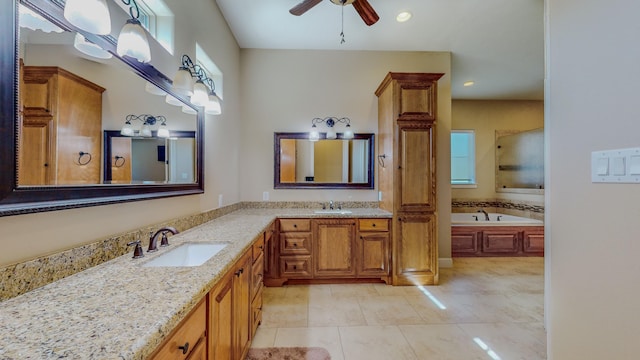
{"x": 89, "y": 15}
{"x": 152, "y": 89}
{"x": 213, "y": 105}
{"x": 171, "y": 100}
{"x": 145, "y": 131}
{"x": 183, "y": 82}
{"x": 200, "y": 95}
{"x": 331, "y": 135}
{"x": 127, "y": 130}
{"x": 188, "y": 110}
{"x": 163, "y": 132}
{"x": 348, "y": 133}
{"x": 89, "y": 48}
{"x": 133, "y": 42}
{"x": 314, "y": 135}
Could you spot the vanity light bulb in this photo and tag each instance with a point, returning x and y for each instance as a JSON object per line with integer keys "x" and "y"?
{"x": 127, "y": 130}
{"x": 200, "y": 95}
{"x": 314, "y": 135}
{"x": 133, "y": 42}
{"x": 145, "y": 131}
{"x": 163, "y": 132}
{"x": 331, "y": 135}
{"x": 348, "y": 134}
{"x": 183, "y": 82}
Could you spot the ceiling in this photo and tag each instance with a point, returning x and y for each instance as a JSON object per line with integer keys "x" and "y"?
{"x": 498, "y": 44}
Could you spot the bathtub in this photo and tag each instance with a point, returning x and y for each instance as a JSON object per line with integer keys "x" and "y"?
{"x": 502, "y": 235}
{"x": 495, "y": 219}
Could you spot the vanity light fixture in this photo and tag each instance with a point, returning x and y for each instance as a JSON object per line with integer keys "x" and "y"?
{"x": 147, "y": 121}
{"x": 88, "y": 48}
{"x": 330, "y": 122}
{"x": 93, "y": 16}
{"x": 202, "y": 91}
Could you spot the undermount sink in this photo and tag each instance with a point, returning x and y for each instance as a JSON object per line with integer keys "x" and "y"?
{"x": 189, "y": 254}
{"x": 341, "y": 212}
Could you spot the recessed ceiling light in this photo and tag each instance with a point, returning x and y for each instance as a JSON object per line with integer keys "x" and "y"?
{"x": 468, "y": 83}
{"x": 403, "y": 16}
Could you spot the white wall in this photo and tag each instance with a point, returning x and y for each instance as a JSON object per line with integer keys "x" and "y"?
{"x": 27, "y": 236}
{"x": 282, "y": 90}
{"x": 593, "y": 232}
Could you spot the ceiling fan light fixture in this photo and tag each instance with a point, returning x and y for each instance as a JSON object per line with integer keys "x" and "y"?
{"x": 403, "y": 16}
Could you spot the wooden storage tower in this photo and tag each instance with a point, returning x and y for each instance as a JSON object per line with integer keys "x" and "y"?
{"x": 407, "y": 173}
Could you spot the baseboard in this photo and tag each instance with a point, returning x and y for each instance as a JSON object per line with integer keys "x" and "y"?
{"x": 445, "y": 262}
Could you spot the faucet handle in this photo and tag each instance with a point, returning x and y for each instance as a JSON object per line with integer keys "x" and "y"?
{"x": 164, "y": 241}
{"x": 137, "y": 251}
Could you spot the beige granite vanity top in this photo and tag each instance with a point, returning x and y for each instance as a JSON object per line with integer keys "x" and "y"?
{"x": 121, "y": 310}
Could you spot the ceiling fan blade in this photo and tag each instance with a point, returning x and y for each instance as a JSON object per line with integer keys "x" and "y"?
{"x": 366, "y": 12}
{"x": 304, "y": 6}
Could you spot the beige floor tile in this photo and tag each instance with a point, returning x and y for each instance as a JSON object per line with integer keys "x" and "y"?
{"x": 353, "y": 290}
{"x": 388, "y": 310}
{"x": 264, "y": 337}
{"x": 375, "y": 343}
{"x": 522, "y": 341}
{"x": 276, "y": 315}
{"x": 331, "y": 311}
{"x": 442, "y": 342}
{"x": 326, "y": 337}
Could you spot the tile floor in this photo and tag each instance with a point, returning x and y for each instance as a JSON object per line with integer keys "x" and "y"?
{"x": 484, "y": 308}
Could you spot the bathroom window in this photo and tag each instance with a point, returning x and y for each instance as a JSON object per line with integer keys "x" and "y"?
{"x": 463, "y": 157}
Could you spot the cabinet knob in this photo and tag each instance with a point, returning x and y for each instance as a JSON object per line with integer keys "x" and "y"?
{"x": 295, "y": 225}
{"x": 184, "y": 348}
{"x": 295, "y": 267}
{"x": 373, "y": 225}
{"x": 295, "y": 244}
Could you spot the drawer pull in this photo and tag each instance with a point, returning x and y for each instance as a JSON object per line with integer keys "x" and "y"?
{"x": 295, "y": 225}
{"x": 295, "y": 244}
{"x": 184, "y": 348}
{"x": 373, "y": 225}
{"x": 295, "y": 267}
{"x": 260, "y": 247}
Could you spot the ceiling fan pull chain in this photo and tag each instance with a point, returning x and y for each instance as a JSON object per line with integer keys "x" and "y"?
{"x": 342, "y": 32}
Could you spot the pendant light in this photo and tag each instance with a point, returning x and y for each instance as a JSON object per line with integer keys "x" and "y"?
{"x": 202, "y": 92}
{"x": 133, "y": 42}
{"x": 200, "y": 95}
{"x": 89, "y": 15}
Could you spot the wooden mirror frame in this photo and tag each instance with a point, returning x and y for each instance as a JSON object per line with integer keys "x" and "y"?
{"x": 14, "y": 199}
{"x": 277, "y": 184}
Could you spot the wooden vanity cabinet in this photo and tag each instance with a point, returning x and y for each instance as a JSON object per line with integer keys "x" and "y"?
{"x": 325, "y": 249}
{"x": 229, "y": 312}
{"x": 188, "y": 340}
{"x": 257, "y": 277}
{"x": 334, "y": 254}
{"x": 407, "y": 180}
{"x": 373, "y": 248}
{"x": 61, "y": 117}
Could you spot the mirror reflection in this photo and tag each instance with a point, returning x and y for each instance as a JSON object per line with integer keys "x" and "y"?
{"x": 148, "y": 160}
{"x": 339, "y": 163}
{"x": 71, "y": 91}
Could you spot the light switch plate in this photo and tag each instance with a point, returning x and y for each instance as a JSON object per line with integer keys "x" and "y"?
{"x": 616, "y": 166}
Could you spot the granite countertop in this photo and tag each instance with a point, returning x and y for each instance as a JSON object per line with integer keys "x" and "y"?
{"x": 121, "y": 310}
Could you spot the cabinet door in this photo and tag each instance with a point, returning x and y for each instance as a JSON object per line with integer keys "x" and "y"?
{"x": 190, "y": 333}
{"x": 465, "y": 241}
{"x": 416, "y": 169}
{"x": 242, "y": 306}
{"x": 333, "y": 253}
{"x": 416, "y": 250}
{"x": 373, "y": 250}
{"x": 221, "y": 319}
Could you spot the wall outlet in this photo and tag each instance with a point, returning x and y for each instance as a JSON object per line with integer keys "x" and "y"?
{"x": 220, "y": 201}
{"x": 265, "y": 196}
{"x": 379, "y": 195}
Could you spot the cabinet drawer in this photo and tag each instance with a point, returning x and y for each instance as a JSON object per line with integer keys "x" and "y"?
{"x": 295, "y": 225}
{"x": 257, "y": 275}
{"x": 373, "y": 225}
{"x": 188, "y": 334}
{"x": 295, "y": 243}
{"x": 258, "y": 247}
{"x": 295, "y": 266}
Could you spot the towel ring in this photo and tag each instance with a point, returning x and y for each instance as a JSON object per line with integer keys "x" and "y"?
{"x": 117, "y": 162}
{"x": 83, "y": 154}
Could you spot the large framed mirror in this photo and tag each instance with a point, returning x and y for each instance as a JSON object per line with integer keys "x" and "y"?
{"x": 58, "y": 101}
{"x": 300, "y": 163}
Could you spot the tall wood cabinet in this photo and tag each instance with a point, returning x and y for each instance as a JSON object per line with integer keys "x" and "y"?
{"x": 407, "y": 173}
{"x": 61, "y": 117}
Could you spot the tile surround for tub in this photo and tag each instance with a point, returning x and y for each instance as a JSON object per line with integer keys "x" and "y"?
{"x": 17, "y": 279}
{"x": 533, "y": 210}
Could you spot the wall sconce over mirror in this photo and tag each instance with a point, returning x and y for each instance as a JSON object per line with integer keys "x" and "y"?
{"x": 147, "y": 122}
{"x": 331, "y": 134}
{"x": 339, "y": 163}
{"x": 93, "y": 16}
{"x": 192, "y": 80}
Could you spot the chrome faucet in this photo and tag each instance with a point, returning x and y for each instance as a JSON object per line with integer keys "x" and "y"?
{"x": 153, "y": 238}
{"x": 486, "y": 216}
{"x": 330, "y": 204}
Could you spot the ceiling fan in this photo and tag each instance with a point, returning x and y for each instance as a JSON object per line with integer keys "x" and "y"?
{"x": 363, "y": 8}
